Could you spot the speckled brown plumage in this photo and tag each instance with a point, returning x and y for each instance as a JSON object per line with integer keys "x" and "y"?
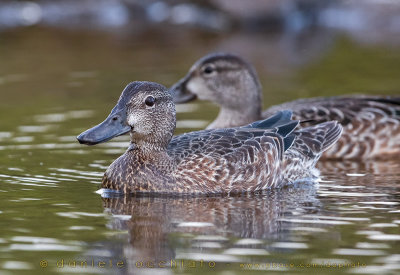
{"x": 371, "y": 123}
{"x": 261, "y": 155}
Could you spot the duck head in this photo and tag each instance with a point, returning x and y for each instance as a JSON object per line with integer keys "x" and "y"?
{"x": 226, "y": 80}
{"x": 145, "y": 109}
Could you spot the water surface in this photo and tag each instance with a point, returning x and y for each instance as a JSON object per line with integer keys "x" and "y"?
{"x": 56, "y": 84}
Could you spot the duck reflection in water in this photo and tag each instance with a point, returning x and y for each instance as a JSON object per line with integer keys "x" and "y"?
{"x": 175, "y": 228}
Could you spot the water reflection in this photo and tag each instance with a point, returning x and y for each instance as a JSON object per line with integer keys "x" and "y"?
{"x": 265, "y": 227}
{"x": 201, "y": 226}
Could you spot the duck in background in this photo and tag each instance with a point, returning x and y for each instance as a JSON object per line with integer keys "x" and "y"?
{"x": 371, "y": 124}
{"x": 263, "y": 154}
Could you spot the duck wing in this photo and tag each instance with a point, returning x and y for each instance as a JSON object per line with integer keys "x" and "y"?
{"x": 344, "y": 109}
{"x": 264, "y": 154}
{"x": 233, "y": 160}
{"x": 371, "y": 123}
{"x": 220, "y": 142}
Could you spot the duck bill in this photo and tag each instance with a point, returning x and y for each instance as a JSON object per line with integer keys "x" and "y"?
{"x": 114, "y": 125}
{"x": 180, "y": 93}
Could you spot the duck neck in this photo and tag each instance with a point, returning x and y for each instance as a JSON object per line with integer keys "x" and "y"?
{"x": 240, "y": 104}
{"x": 150, "y": 143}
{"x": 229, "y": 117}
{"x": 153, "y": 155}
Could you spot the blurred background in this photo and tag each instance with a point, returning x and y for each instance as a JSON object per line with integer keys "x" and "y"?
{"x": 63, "y": 65}
{"x": 81, "y": 53}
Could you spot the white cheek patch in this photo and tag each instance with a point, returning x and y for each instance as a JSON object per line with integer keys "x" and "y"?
{"x": 132, "y": 119}
{"x": 195, "y": 86}
{"x": 199, "y": 88}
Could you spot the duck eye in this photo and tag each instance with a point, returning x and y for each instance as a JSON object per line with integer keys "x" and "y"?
{"x": 208, "y": 70}
{"x": 149, "y": 101}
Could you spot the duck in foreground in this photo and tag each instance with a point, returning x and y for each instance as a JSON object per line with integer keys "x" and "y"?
{"x": 371, "y": 123}
{"x": 260, "y": 155}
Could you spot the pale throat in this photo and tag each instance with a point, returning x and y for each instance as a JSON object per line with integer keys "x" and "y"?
{"x": 230, "y": 117}
{"x": 243, "y": 106}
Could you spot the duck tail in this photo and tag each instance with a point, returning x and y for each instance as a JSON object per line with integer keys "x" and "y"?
{"x": 314, "y": 140}
{"x": 307, "y": 148}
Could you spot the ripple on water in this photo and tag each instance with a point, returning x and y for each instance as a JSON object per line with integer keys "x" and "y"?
{"x": 246, "y": 251}
{"x": 326, "y": 261}
{"x": 116, "y": 144}
{"x": 67, "y": 139}
{"x": 385, "y": 237}
{"x": 324, "y": 193}
{"x": 81, "y": 228}
{"x": 97, "y": 165}
{"x": 358, "y": 252}
{"x": 194, "y": 224}
{"x": 304, "y": 229}
{"x": 289, "y": 245}
{"x": 15, "y": 169}
{"x": 379, "y": 202}
{"x": 5, "y": 135}
{"x": 17, "y": 265}
{"x": 80, "y": 113}
{"x": 207, "y": 257}
{"x": 32, "y": 243}
{"x": 355, "y": 175}
{"x": 32, "y": 181}
{"x": 368, "y": 232}
{"x": 34, "y": 128}
{"x": 364, "y": 245}
{"x": 335, "y": 186}
{"x": 317, "y": 221}
{"x": 91, "y": 175}
{"x": 44, "y": 247}
{"x": 23, "y": 139}
{"x": 55, "y": 117}
{"x": 383, "y": 225}
{"x": 26, "y": 199}
{"x": 33, "y": 239}
{"x": 337, "y": 218}
{"x": 213, "y": 238}
{"x": 60, "y": 117}
{"x": 394, "y": 211}
{"x": 77, "y": 215}
{"x": 394, "y": 258}
{"x": 207, "y": 245}
{"x": 246, "y": 242}
{"x": 41, "y": 146}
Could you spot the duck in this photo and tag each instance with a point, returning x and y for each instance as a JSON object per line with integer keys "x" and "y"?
{"x": 371, "y": 124}
{"x": 261, "y": 155}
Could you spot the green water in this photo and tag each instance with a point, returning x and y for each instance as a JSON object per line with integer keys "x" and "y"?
{"x": 55, "y": 84}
